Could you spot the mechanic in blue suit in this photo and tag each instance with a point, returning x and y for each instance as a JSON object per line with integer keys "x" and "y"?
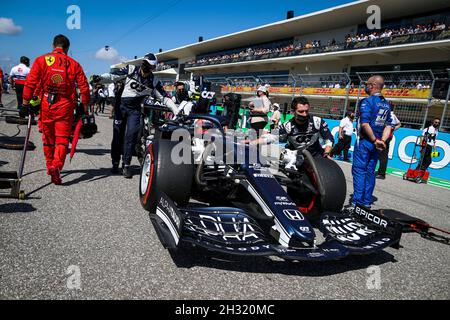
{"x": 375, "y": 125}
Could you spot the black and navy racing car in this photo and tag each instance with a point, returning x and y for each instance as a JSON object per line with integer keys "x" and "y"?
{"x": 247, "y": 208}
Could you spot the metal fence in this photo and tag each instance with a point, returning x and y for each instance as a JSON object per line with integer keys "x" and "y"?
{"x": 332, "y": 94}
{"x": 410, "y": 92}
{"x": 285, "y": 84}
{"x": 328, "y": 93}
{"x": 445, "y": 119}
{"x": 445, "y": 122}
{"x": 217, "y": 85}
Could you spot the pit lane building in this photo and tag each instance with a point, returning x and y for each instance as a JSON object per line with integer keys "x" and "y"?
{"x": 327, "y": 55}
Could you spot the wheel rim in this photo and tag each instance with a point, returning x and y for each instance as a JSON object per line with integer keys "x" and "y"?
{"x": 145, "y": 176}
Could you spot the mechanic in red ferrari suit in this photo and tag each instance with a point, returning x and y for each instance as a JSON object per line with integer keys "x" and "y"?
{"x": 55, "y": 75}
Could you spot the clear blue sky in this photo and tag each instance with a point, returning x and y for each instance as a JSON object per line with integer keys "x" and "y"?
{"x": 108, "y": 22}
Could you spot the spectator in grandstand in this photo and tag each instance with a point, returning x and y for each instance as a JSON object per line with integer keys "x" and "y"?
{"x": 309, "y": 45}
{"x": 440, "y": 26}
{"x": 375, "y": 126}
{"x": 346, "y": 130}
{"x": 383, "y": 155}
{"x": 374, "y": 36}
{"x": 259, "y": 108}
{"x": 263, "y": 52}
{"x": 299, "y": 46}
{"x": 429, "y": 137}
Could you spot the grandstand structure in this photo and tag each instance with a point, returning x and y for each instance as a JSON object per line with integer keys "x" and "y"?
{"x": 328, "y": 55}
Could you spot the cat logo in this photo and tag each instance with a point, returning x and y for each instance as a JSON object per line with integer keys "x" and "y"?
{"x": 50, "y": 60}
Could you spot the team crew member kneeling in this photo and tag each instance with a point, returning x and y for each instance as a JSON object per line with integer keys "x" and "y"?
{"x": 55, "y": 75}
{"x": 303, "y": 127}
{"x": 301, "y": 130}
{"x": 140, "y": 82}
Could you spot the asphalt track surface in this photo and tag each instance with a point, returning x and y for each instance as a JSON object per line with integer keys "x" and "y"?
{"x": 95, "y": 223}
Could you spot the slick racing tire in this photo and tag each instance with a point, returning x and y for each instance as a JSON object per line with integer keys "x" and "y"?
{"x": 159, "y": 173}
{"x": 333, "y": 183}
{"x": 329, "y": 180}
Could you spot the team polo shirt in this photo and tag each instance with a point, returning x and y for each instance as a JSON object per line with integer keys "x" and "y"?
{"x": 19, "y": 73}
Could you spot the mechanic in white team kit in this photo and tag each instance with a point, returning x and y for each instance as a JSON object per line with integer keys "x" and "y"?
{"x": 276, "y": 116}
{"x": 346, "y": 129}
{"x": 140, "y": 82}
{"x": 17, "y": 77}
{"x": 430, "y": 134}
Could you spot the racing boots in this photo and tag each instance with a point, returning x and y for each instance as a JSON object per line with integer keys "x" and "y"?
{"x": 55, "y": 176}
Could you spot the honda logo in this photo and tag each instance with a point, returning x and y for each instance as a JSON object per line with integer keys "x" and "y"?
{"x": 294, "y": 215}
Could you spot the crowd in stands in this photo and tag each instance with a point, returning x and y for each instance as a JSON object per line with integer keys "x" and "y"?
{"x": 254, "y": 51}
{"x": 402, "y": 81}
{"x": 388, "y": 33}
{"x": 272, "y": 51}
{"x": 165, "y": 66}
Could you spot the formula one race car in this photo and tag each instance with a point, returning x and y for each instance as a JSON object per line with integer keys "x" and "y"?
{"x": 197, "y": 191}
